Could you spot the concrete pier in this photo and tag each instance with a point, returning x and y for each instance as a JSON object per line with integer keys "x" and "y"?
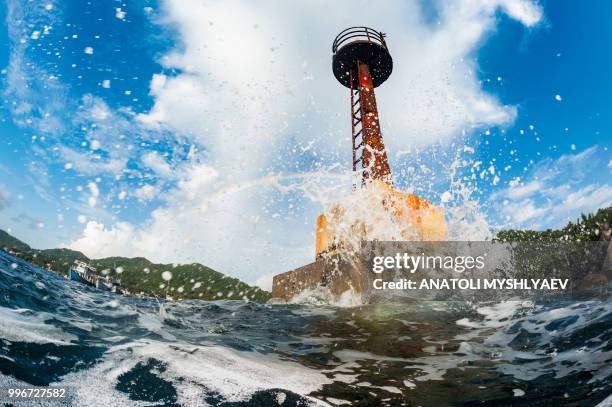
{"x": 334, "y": 273}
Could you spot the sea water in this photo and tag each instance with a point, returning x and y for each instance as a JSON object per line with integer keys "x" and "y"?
{"x": 115, "y": 350}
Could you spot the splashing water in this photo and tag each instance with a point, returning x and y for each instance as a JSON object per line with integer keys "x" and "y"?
{"x": 356, "y": 207}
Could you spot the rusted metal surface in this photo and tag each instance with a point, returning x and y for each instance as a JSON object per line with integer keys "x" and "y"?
{"x": 373, "y": 155}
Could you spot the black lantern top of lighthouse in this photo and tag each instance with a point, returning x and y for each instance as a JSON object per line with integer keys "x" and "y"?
{"x": 365, "y": 45}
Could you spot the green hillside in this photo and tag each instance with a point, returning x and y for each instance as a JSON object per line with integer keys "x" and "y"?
{"x": 139, "y": 275}
{"x": 10, "y": 241}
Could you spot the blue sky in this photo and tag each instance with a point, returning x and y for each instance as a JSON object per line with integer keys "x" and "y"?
{"x": 215, "y": 132}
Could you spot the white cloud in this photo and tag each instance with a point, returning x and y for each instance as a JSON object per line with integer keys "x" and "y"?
{"x": 253, "y": 77}
{"x": 524, "y": 190}
{"x": 111, "y": 135}
{"x": 95, "y": 193}
{"x": 523, "y": 211}
{"x": 146, "y": 192}
{"x": 265, "y": 281}
{"x": 4, "y": 198}
{"x": 26, "y": 82}
{"x": 587, "y": 199}
{"x": 556, "y": 191}
{"x": 248, "y": 62}
{"x": 156, "y": 162}
{"x": 526, "y": 12}
{"x": 97, "y": 241}
{"x": 90, "y": 163}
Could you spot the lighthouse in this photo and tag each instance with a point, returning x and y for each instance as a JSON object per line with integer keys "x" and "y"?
{"x": 361, "y": 63}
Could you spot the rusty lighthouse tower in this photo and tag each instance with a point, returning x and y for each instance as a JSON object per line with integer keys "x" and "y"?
{"x": 362, "y": 62}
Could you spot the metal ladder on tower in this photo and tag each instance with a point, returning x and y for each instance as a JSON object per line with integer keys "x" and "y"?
{"x": 356, "y": 124}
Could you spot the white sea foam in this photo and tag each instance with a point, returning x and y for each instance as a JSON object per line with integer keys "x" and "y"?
{"x": 195, "y": 371}
{"x": 540, "y": 358}
{"x": 154, "y": 324}
{"x": 21, "y": 325}
{"x": 234, "y": 374}
{"x": 322, "y": 296}
{"x": 495, "y": 315}
{"x": 102, "y": 377}
{"x": 429, "y": 367}
{"x": 606, "y": 403}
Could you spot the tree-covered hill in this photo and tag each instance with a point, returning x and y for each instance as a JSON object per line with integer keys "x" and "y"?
{"x": 139, "y": 275}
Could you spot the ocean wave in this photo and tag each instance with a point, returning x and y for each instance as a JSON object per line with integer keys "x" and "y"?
{"x": 144, "y": 351}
